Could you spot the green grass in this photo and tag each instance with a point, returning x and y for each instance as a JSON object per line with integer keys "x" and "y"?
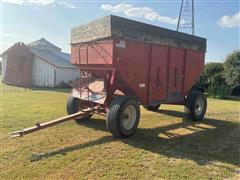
{"x": 166, "y": 145}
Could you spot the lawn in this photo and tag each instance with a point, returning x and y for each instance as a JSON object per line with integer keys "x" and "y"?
{"x": 166, "y": 145}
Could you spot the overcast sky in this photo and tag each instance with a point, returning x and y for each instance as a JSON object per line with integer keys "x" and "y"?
{"x": 26, "y": 21}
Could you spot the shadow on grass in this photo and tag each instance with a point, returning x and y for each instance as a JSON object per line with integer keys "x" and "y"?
{"x": 65, "y": 150}
{"x": 206, "y": 141}
{"x": 233, "y": 98}
{"x": 64, "y": 90}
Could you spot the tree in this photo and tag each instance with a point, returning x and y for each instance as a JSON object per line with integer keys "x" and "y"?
{"x": 232, "y": 69}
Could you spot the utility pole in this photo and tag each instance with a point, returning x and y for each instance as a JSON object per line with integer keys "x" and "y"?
{"x": 186, "y": 17}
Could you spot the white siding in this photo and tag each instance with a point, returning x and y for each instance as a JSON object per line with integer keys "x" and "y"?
{"x": 4, "y": 65}
{"x": 66, "y": 75}
{"x": 43, "y": 74}
{"x": 47, "y": 75}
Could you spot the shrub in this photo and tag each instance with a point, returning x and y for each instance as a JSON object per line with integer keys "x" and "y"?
{"x": 212, "y": 81}
{"x": 236, "y": 91}
{"x": 221, "y": 79}
{"x": 217, "y": 87}
{"x": 212, "y": 74}
{"x": 232, "y": 69}
{"x": 219, "y": 91}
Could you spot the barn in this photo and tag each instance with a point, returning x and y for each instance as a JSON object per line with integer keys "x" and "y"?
{"x": 38, "y": 64}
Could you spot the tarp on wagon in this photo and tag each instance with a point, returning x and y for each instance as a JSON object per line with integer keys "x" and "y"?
{"x": 122, "y": 28}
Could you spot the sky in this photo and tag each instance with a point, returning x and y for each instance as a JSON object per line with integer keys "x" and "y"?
{"x": 28, "y": 20}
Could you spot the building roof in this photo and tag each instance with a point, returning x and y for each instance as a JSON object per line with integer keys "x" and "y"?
{"x": 59, "y": 59}
{"x": 44, "y": 44}
{"x": 49, "y": 52}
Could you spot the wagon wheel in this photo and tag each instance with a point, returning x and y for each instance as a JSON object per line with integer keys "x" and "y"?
{"x": 152, "y": 107}
{"x": 123, "y": 116}
{"x": 74, "y": 105}
{"x": 196, "y": 105}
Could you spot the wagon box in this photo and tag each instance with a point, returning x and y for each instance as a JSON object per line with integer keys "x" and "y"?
{"x": 125, "y": 63}
{"x": 168, "y": 62}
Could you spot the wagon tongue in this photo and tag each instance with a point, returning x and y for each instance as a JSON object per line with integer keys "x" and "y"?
{"x": 40, "y": 126}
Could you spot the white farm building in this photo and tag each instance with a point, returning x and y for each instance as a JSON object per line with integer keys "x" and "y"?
{"x": 38, "y": 64}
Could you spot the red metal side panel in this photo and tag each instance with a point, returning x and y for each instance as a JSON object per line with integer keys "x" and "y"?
{"x": 151, "y": 72}
{"x": 159, "y": 76}
{"x": 176, "y": 74}
{"x": 75, "y": 54}
{"x": 98, "y": 52}
{"x": 193, "y": 69}
{"x": 132, "y": 63}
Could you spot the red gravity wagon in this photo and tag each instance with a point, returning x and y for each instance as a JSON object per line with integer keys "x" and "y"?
{"x": 124, "y": 64}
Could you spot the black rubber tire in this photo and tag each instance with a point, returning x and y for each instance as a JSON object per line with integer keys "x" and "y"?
{"x": 73, "y": 106}
{"x": 114, "y": 116}
{"x": 191, "y": 102}
{"x": 152, "y": 107}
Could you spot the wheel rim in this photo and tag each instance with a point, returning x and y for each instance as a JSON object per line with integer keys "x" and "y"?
{"x": 198, "y": 107}
{"x": 129, "y": 117}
